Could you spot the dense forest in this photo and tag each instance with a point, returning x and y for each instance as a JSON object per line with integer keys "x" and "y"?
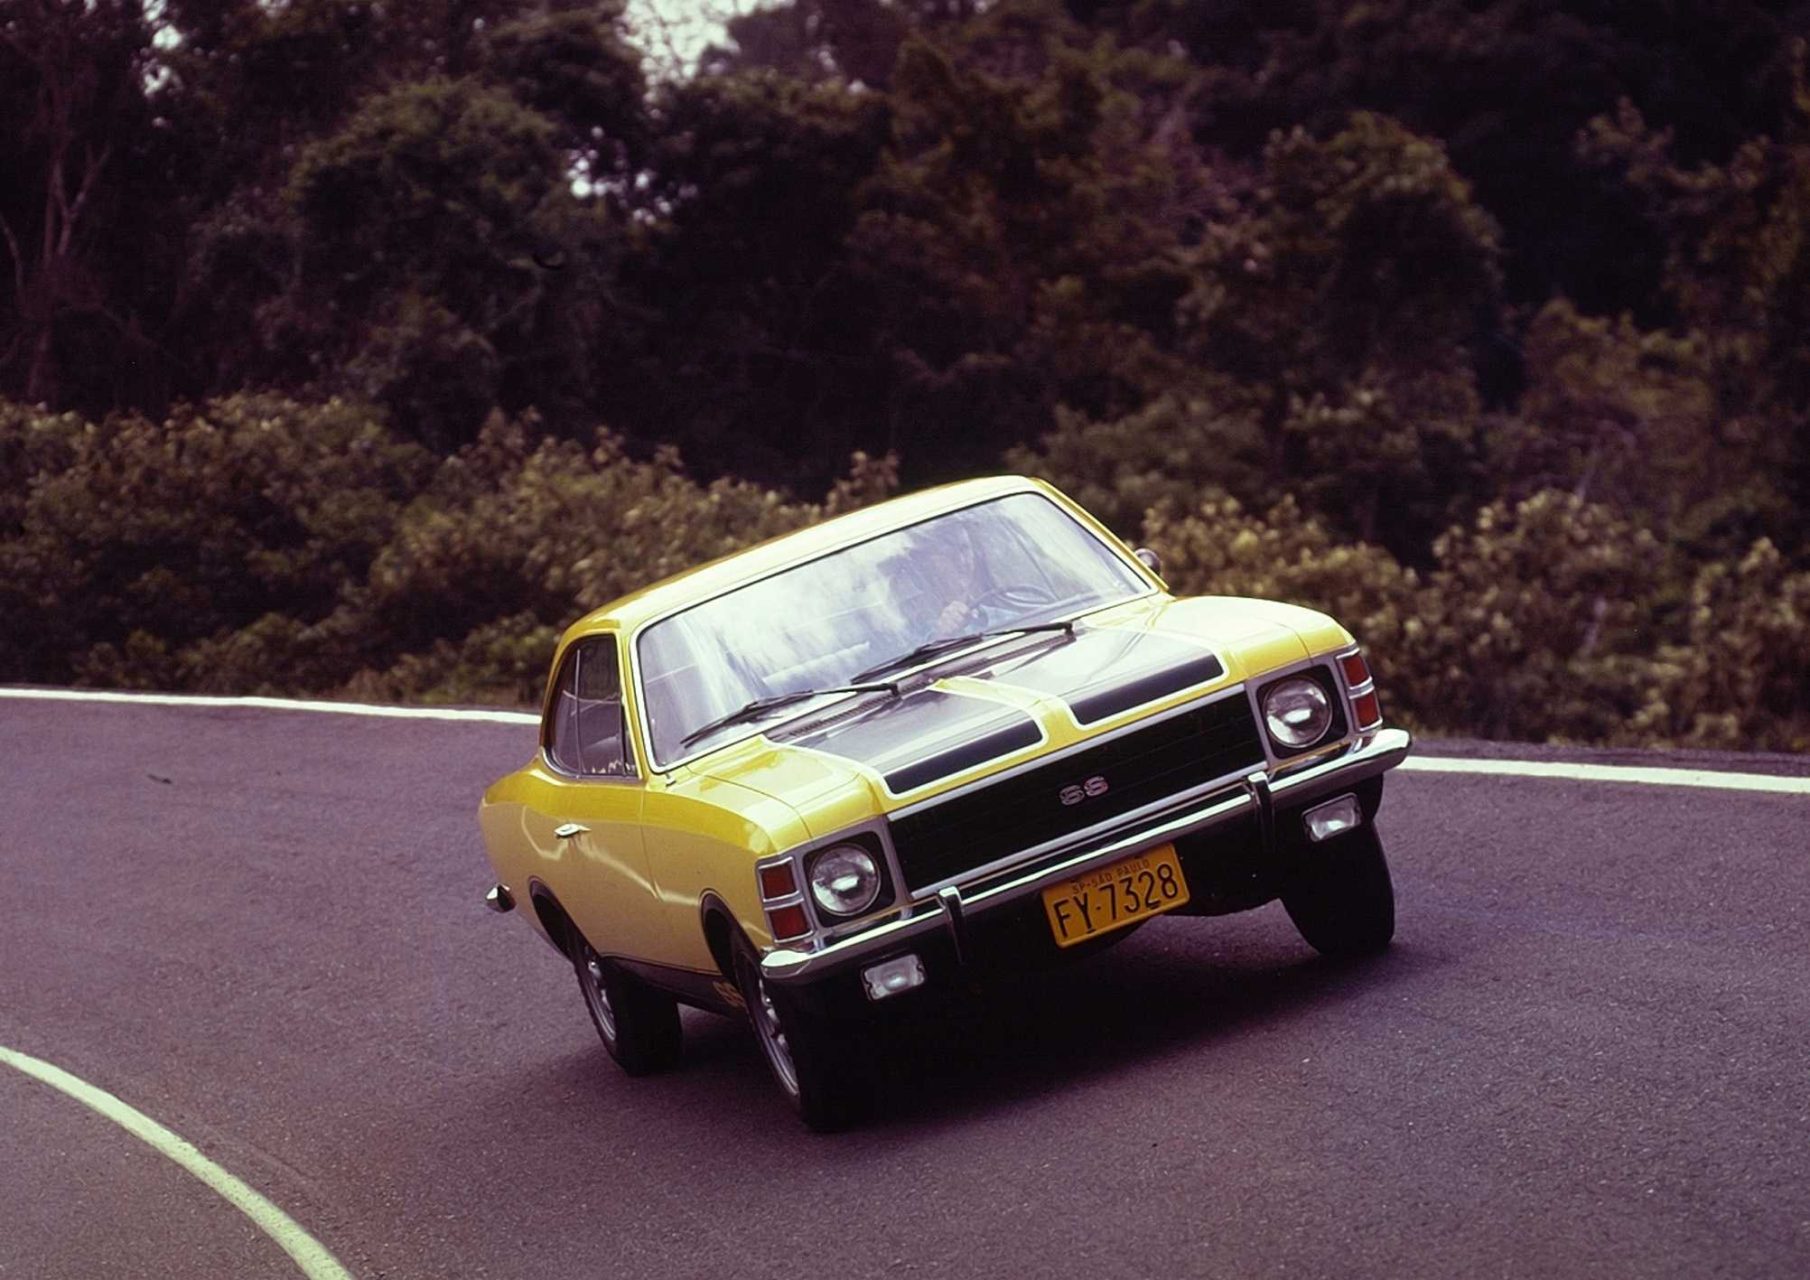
{"x": 355, "y": 348}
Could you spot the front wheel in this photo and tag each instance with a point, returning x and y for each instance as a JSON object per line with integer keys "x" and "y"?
{"x": 822, "y": 1074}
{"x": 638, "y": 1025}
{"x": 1344, "y": 905}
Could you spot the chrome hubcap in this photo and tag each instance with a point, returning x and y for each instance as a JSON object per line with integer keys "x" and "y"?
{"x": 773, "y": 1037}
{"x": 599, "y": 996}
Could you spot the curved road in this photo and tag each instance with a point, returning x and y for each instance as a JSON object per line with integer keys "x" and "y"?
{"x": 1585, "y": 1054}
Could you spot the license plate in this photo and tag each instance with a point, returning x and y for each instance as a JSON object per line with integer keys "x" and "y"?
{"x": 1134, "y": 889}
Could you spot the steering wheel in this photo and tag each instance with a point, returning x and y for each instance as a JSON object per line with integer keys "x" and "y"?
{"x": 1018, "y": 598}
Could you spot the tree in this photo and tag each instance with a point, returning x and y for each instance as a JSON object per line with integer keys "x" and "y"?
{"x": 754, "y": 351}
{"x": 1738, "y": 274}
{"x": 1348, "y": 289}
{"x": 1506, "y": 84}
{"x": 427, "y": 228}
{"x": 1020, "y": 240}
{"x": 78, "y": 305}
{"x": 391, "y": 199}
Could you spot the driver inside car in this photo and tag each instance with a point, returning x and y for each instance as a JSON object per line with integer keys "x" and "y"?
{"x": 974, "y": 602}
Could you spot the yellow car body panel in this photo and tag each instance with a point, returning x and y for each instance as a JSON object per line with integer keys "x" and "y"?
{"x": 663, "y": 847}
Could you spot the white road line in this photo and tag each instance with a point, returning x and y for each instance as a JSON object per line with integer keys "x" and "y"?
{"x": 1653, "y": 777}
{"x": 315, "y": 1262}
{"x": 1764, "y": 782}
{"x": 270, "y": 704}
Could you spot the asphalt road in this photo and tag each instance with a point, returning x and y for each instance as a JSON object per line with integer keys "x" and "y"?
{"x": 1585, "y": 1055}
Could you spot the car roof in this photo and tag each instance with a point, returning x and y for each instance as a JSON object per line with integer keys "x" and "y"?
{"x": 738, "y": 568}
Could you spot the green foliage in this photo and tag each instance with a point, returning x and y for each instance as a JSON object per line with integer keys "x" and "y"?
{"x": 1346, "y": 291}
{"x": 1540, "y": 620}
{"x": 260, "y": 545}
{"x": 1738, "y": 272}
{"x": 1507, "y": 85}
{"x": 1741, "y": 676}
{"x": 1497, "y": 311}
{"x": 1161, "y": 456}
{"x": 1022, "y": 237}
{"x": 88, "y": 233}
{"x": 423, "y": 222}
{"x": 757, "y": 354}
{"x": 518, "y": 536}
{"x": 575, "y": 68}
{"x": 1537, "y": 621}
{"x": 854, "y": 40}
{"x": 1328, "y": 323}
{"x": 33, "y": 445}
{"x": 1218, "y": 548}
{"x": 149, "y": 537}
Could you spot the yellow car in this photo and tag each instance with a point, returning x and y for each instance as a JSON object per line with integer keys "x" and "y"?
{"x": 820, "y": 779}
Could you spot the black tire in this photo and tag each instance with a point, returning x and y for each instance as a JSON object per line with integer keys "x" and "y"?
{"x": 637, "y": 1024}
{"x": 818, "y": 1066}
{"x": 1344, "y": 904}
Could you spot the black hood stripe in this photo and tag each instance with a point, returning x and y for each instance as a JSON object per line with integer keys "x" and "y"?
{"x": 1103, "y": 671}
{"x": 914, "y": 740}
{"x": 1103, "y": 704}
{"x": 930, "y": 734}
{"x": 989, "y": 746}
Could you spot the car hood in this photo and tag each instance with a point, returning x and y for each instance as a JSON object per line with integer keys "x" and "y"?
{"x": 1014, "y": 701}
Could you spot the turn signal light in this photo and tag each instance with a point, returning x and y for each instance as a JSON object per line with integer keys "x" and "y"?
{"x": 789, "y": 921}
{"x": 777, "y": 881}
{"x": 1355, "y": 669}
{"x": 1368, "y": 710}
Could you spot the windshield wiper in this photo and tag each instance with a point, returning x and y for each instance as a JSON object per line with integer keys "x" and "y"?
{"x": 760, "y": 706}
{"x": 930, "y": 648}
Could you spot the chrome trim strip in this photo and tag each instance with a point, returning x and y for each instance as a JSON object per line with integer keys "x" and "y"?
{"x": 1364, "y": 758}
{"x": 1257, "y": 786}
{"x": 951, "y": 898}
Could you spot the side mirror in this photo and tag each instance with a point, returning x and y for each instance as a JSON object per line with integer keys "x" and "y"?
{"x": 1150, "y": 560}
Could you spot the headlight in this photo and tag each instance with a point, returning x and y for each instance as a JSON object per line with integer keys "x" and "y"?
{"x": 1297, "y": 712}
{"x": 845, "y": 879}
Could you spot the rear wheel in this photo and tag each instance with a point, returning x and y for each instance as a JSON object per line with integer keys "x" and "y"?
{"x": 823, "y": 1074}
{"x": 638, "y": 1025}
{"x": 1345, "y": 904}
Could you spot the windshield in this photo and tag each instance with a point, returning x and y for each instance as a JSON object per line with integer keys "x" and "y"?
{"x": 1014, "y": 561}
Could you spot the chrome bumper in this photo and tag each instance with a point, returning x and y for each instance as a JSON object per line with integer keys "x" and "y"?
{"x": 951, "y": 909}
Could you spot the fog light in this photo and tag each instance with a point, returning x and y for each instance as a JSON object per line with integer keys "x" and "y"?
{"x": 1334, "y": 818}
{"x": 890, "y": 977}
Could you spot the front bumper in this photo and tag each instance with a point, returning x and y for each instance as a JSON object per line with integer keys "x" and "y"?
{"x": 949, "y": 917}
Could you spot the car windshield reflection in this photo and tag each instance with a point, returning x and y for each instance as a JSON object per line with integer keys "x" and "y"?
{"x": 999, "y": 566}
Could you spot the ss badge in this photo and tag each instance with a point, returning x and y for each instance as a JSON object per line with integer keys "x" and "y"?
{"x": 1076, "y": 792}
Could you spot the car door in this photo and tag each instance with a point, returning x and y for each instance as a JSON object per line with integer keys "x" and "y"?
{"x": 595, "y": 803}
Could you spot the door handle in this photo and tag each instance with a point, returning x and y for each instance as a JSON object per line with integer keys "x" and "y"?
{"x": 566, "y": 830}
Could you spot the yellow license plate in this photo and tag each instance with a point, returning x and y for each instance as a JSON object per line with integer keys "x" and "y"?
{"x": 1141, "y": 886}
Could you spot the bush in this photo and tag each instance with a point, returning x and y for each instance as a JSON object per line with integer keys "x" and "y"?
{"x": 259, "y": 545}
{"x": 519, "y": 535}
{"x": 1164, "y": 455}
{"x": 1741, "y": 678}
{"x": 1218, "y": 549}
{"x": 137, "y": 539}
{"x": 1537, "y": 620}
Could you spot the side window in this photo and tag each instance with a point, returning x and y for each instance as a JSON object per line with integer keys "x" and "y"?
{"x": 587, "y": 730}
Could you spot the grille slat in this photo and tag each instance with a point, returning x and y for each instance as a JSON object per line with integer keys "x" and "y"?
{"x": 1142, "y": 767}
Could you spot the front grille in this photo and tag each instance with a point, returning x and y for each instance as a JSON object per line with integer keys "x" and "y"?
{"x": 1139, "y": 768}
